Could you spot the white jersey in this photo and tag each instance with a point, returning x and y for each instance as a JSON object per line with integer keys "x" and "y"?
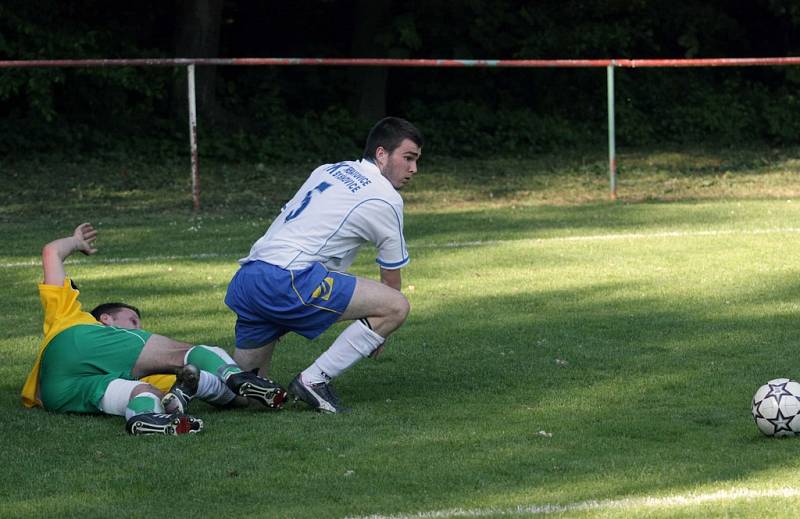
{"x": 339, "y": 208}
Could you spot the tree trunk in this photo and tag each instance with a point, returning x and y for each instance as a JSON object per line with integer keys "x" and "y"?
{"x": 197, "y": 36}
{"x": 368, "y": 101}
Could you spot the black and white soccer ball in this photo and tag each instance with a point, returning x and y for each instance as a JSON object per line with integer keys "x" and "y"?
{"x": 776, "y": 407}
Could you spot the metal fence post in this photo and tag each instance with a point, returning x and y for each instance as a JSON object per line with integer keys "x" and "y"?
{"x": 193, "y": 139}
{"x": 612, "y": 152}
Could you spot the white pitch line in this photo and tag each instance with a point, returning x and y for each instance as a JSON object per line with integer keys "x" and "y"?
{"x": 106, "y": 261}
{"x": 449, "y": 245}
{"x": 674, "y": 501}
{"x": 621, "y": 236}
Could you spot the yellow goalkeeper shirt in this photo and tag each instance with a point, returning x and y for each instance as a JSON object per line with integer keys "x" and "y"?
{"x": 62, "y": 310}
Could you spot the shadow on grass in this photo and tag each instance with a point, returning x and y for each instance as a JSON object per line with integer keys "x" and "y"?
{"x": 641, "y": 395}
{"x": 647, "y": 398}
{"x": 105, "y": 187}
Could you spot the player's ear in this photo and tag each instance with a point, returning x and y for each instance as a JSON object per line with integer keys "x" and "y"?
{"x": 106, "y": 319}
{"x": 381, "y": 156}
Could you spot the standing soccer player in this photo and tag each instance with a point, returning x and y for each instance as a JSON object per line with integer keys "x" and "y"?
{"x": 295, "y": 279}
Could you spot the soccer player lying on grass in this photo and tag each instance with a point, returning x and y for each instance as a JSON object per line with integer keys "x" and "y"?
{"x": 86, "y": 366}
{"x": 295, "y": 279}
{"x": 190, "y": 382}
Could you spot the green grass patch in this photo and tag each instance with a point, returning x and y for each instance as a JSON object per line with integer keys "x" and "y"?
{"x": 565, "y": 354}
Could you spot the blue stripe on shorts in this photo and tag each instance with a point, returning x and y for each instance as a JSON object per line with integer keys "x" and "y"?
{"x": 270, "y": 301}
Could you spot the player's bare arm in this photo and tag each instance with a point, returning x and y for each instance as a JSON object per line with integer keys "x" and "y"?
{"x": 55, "y": 252}
{"x": 392, "y": 278}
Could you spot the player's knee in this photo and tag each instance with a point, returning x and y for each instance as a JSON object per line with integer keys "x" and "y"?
{"x": 400, "y": 308}
{"x": 251, "y": 358}
{"x": 146, "y": 388}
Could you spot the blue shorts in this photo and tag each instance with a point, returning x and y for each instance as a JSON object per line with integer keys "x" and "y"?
{"x": 270, "y": 301}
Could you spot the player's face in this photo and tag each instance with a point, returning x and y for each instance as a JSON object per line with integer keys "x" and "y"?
{"x": 400, "y": 165}
{"x": 123, "y": 318}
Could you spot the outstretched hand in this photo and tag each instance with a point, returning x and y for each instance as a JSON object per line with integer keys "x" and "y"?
{"x": 85, "y": 234}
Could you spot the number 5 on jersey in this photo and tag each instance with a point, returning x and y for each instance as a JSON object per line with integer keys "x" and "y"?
{"x": 306, "y": 200}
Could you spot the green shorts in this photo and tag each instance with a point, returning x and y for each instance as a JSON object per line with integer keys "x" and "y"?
{"x": 81, "y": 361}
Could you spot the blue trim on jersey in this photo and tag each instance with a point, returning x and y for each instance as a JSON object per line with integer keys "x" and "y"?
{"x": 397, "y": 218}
{"x": 392, "y": 265}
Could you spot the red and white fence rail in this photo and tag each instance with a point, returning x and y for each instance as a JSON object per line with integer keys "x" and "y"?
{"x": 609, "y": 64}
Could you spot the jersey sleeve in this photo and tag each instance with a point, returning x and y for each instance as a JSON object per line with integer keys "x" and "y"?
{"x": 62, "y": 308}
{"x": 381, "y": 223}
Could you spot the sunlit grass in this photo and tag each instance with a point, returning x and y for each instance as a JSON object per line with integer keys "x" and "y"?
{"x": 585, "y": 359}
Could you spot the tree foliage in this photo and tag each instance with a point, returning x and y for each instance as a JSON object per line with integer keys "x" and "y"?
{"x": 281, "y": 111}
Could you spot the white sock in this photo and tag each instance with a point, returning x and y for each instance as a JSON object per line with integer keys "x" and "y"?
{"x": 211, "y": 389}
{"x": 356, "y": 342}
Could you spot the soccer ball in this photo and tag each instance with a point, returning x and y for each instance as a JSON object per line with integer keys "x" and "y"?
{"x": 776, "y": 407}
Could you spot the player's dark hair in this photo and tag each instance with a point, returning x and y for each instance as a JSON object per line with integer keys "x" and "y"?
{"x": 388, "y": 133}
{"x": 112, "y": 309}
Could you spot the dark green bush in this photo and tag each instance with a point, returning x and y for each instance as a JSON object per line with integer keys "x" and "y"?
{"x": 307, "y": 113}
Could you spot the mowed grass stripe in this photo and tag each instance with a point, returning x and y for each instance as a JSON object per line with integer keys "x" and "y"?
{"x": 627, "y": 506}
{"x": 464, "y": 244}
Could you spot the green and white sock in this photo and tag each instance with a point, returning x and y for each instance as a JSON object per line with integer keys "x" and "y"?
{"x": 143, "y": 403}
{"x": 212, "y": 390}
{"x": 212, "y": 359}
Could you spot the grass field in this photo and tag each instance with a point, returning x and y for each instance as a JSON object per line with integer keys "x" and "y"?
{"x": 566, "y": 355}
